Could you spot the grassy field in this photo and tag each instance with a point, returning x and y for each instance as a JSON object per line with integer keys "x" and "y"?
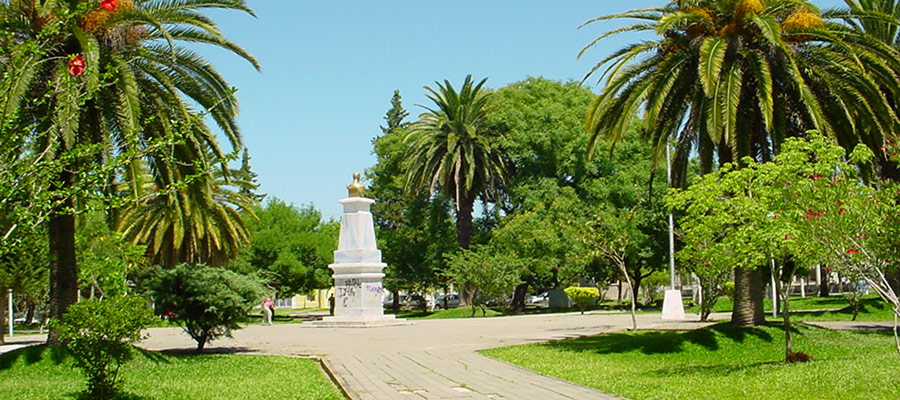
{"x": 721, "y": 362}
{"x": 47, "y": 373}
{"x": 872, "y": 308}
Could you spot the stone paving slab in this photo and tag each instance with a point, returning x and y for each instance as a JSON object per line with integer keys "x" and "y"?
{"x": 853, "y": 325}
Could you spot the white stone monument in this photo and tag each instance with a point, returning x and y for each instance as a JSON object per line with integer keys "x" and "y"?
{"x": 358, "y": 294}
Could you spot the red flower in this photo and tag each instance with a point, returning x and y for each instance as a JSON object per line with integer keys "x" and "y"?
{"x": 841, "y": 211}
{"x": 76, "y": 65}
{"x": 787, "y": 235}
{"x": 853, "y": 250}
{"x": 838, "y": 202}
{"x": 708, "y": 264}
{"x": 109, "y": 5}
{"x": 816, "y": 176}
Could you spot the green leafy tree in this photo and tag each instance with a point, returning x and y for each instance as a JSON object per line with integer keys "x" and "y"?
{"x": 487, "y": 273}
{"x": 414, "y": 229}
{"x": 208, "y": 302}
{"x": 290, "y": 247}
{"x": 99, "y": 335}
{"x": 451, "y": 150}
{"x": 105, "y": 258}
{"x": 733, "y": 79}
{"x": 772, "y": 213}
{"x": 116, "y": 77}
{"x": 541, "y": 232}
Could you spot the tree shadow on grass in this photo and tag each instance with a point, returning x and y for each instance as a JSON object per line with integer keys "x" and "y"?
{"x": 189, "y": 351}
{"x": 659, "y": 342}
{"x": 34, "y": 354}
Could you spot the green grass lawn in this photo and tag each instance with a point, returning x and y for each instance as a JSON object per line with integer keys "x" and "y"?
{"x": 47, "y": 373}
{"x": 872, "y": 308}
{"x": 721, "y": 362}
{"x": 459, "y": 312}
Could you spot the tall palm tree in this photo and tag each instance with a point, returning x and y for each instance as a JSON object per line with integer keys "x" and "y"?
{"x": 732, "y": 79}
{"x": 452, "y": 150}
{"x": 114, "y": 75}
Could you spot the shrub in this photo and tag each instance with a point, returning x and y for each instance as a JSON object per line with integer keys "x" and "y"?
{"x": 582, "y": 296}
{"x": 99, "y": 333}
{"x": 485, "y": 275}
{"x": 728, "y": 289}
{"x": 207, "y": 302}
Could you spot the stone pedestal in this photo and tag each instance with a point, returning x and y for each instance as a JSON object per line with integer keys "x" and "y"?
{"x": 673, "y": 307}
{"x": 358, "y": 293}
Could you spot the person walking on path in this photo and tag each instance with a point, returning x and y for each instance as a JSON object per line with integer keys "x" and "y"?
{"x": 268, "y": 310}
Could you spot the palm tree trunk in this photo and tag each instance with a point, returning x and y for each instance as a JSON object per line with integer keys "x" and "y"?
{"x": 464, "y": 228}
{"x": 748, "y": 298}
{"x": 63, "y": 266}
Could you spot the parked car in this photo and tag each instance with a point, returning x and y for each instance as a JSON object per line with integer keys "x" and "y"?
{"x": 388, "y": 302}
{"x": 542, "y": 298}
{"x": 445, "y": 301}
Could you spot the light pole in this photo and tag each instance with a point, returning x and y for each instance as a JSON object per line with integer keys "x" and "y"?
{"x": 673, "y": 308}
{"x": 10, "y": 313}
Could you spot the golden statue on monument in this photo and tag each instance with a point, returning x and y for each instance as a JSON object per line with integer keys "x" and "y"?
{"x": 355, "y": 189}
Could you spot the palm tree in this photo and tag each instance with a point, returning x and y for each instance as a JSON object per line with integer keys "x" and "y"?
{"x": 452, "y": 150}
{"x": 733, "y": 79}
{"x": 880, "y": 20}
{"x": 114, "y": 76}
{"x": 200, "y": 222}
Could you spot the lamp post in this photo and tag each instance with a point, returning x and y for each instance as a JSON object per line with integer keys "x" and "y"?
{"x": 10, "y": 313}
{"x": 673, "y": 308}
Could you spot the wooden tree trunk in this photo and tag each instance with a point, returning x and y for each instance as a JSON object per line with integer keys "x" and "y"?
{"x": 63, "y": 264}
{"x": 518, "y": 302}
{"x": 749, "y": 292}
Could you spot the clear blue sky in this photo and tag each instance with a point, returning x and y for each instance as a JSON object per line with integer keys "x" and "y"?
{"x": 329, "y": 70}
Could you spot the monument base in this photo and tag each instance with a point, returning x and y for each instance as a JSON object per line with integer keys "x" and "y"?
{"x": 350, "y": 322}
{"x": 673, "y": 307}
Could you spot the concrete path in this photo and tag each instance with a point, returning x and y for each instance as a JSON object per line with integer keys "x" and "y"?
{"x": 853, "y": 325}
{"x": 430, "y": 359}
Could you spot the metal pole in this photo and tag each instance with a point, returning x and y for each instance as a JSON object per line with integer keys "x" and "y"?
{"x": 671, "y": 222}
{"x": 774, "y": 292}
{"x": 10, "y": 313}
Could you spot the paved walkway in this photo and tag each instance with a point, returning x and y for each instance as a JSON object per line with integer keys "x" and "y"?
{"x": 430, "y": 359}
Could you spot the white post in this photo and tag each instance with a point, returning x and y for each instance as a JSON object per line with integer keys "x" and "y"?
{"x": 10, "y": 313}
{"x": 803, "y": 287}
{"x": 774, "y": 292}
{"x": 673, "y": 307}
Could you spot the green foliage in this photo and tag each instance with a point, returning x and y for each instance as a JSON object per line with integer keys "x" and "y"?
{"x": 453, "y": 150}
{"x": 207, "y": 302}
{"x": 99, "y": 335}
{"x": 290, "y": 247}
{"x": 582, "y": 296}
{"x": 414, "y": 230}
{"x": 697, "y": 87}
{"x": 806, "y": 207}
{"x": 728, "y": 289}
{"x": 485, "y": 273}
{"x": 106, "y": 260}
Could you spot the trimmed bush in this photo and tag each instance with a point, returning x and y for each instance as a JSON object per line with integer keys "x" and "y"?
{"x": 99, "y": 334}
{"x": 207, "y": 302}
{"x": 582, "y": 296}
